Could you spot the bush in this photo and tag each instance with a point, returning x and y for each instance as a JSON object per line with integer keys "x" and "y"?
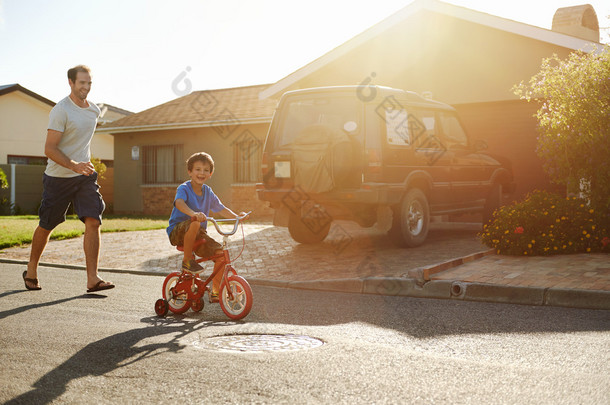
{"x": 548, "y": 224}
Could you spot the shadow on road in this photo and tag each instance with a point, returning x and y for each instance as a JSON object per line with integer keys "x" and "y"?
{"x": 109, "y": 354}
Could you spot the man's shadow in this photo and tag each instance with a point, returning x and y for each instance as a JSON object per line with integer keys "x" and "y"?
{"x": 15, "y": 311}
{"x": 108, "y": 354}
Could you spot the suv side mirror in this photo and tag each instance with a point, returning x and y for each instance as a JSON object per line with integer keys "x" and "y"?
{"x": 479, "y": 145}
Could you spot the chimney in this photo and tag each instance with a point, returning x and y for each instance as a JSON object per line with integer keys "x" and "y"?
{"x": 577, "y": 21}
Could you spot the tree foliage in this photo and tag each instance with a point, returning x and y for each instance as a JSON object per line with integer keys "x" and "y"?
{"x": 3, "y": 180}
{"x": 99, "y": 167}
{"x": 574, "y": 121}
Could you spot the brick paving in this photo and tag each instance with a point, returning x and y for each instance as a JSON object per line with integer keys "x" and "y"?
{"x": 348, "y": 252}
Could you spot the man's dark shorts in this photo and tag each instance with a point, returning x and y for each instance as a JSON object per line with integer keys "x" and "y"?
{"x": 59, "y": 192}
{"x": 209, "y": 248}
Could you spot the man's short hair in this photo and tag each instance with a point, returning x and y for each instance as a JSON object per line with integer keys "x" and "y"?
{"x": 79, "y": 68}
{"x": 200, "y": 157}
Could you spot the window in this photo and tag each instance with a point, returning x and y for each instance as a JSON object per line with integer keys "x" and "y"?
{"x": 453, "y": 133}
{"x": 330, "y": 112}
{"x": 429, "y": 135}
{"x": 162, "y": 164}
{"x": 247, "y": 157}
{"x": 26, "y": 160}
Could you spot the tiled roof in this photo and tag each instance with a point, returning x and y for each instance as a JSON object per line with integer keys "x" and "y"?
{"x": 200, "y": 109}
{"x": 8, "y": 88}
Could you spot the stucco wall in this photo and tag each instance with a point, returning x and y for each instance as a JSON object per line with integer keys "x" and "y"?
{"x": 23, "y": 128}
{"x": 23, "y": 125}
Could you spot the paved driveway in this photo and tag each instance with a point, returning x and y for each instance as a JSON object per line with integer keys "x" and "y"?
{"x": 270, "y": 253}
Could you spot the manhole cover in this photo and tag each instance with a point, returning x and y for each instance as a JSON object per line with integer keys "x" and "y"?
{"x": 259, "y": 343}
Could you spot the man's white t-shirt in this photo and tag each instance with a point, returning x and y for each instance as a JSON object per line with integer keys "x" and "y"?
{"x": 77, "y": 125}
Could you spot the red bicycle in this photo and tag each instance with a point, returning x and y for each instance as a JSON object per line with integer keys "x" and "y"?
{"x": 185, "y": 289}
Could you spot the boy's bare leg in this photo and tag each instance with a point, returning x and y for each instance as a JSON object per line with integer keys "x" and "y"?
{"x": 219, "y": 263}
{"x": 189, "y": 240}
{"x": 91, "y": 246}
{"x": 39, "y": 243}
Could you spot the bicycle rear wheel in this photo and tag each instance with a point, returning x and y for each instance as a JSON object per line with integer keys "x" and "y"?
{"x": 176, "y": 299}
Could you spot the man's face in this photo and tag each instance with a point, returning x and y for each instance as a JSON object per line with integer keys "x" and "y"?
{"x": 81, "y": 87}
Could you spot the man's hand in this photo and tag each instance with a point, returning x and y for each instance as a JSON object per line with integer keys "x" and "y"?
{"x": 85, "y": 168}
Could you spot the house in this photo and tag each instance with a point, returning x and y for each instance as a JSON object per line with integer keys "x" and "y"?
{"x": 151, "y": 148}
{"x": 24, "y": 116}
{"x": 453, "y": 54}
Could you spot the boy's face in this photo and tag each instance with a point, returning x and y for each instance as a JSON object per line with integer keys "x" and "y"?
{"x": 201, "y": 173}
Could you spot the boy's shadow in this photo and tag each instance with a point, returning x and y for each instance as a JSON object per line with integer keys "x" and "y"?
{"x": 105, "y": 355}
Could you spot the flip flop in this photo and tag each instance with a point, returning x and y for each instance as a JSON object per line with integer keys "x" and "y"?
{"x": 31, "y": 280}
{"x": 100, "y": 287}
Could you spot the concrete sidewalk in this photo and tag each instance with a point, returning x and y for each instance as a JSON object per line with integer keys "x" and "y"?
{"x": 452, "y": 264}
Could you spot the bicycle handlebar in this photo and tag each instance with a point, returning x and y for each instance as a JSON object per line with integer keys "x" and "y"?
{"x": 236, "y": 220}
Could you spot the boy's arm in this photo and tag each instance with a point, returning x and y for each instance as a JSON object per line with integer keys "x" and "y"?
{"x": 181, "y": 205}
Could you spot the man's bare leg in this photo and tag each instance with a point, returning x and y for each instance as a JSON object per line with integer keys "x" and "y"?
{"x": 40, "y": 239}
{"x": 91, "y": 245}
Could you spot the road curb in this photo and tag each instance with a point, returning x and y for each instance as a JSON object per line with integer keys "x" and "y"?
{"x": 563, "y": 297}
{"x": 412, "y": 287}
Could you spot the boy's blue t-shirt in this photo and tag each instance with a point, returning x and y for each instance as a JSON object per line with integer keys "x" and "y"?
{"x": 205, "y": 203}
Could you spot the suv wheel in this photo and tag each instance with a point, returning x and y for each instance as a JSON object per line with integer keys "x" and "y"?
{"x": 304, "y": 233}
{"x": 411, "y": 219}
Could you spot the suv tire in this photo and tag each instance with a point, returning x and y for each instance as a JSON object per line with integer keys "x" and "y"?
{"x": 302, "y": 233}
{"x": 411, "y": 219}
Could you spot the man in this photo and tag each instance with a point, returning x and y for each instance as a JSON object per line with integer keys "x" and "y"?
{"x": 70, "y": 178}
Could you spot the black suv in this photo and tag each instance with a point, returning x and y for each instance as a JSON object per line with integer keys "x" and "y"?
{"x": 338, "y": 153}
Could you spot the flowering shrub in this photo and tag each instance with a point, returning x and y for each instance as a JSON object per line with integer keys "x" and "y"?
{"x": 547, "y": 224}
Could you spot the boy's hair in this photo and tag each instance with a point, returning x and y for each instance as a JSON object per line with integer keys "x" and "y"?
{"x": 200, "y": 157}
{"x": 79, "y": 68}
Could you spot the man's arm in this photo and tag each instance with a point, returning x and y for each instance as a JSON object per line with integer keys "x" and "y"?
{"x": 52, "y": 151}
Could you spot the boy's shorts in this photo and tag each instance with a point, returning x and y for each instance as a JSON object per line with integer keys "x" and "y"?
{"x": 207, "y": 249}
{"x": 58, "y": 192}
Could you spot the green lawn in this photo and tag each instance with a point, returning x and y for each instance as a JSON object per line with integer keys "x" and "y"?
{"x": 18, "y": 230}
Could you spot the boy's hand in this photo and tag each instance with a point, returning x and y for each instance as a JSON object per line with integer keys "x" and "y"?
{"x": 199, "y": 217}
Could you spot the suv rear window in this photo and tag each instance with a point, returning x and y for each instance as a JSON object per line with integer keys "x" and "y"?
{"x": 339, "y": 113}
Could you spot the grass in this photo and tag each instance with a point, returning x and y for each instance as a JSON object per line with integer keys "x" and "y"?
{"x": 17, "y": 230}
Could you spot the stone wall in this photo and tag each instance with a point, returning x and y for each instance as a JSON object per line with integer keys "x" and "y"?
{"x": 158, "y": 200}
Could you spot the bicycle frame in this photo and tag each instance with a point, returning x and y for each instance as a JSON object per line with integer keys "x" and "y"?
{"x": 199, "y": 285}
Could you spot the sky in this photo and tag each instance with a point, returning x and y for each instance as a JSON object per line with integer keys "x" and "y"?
{"x": 146, "y": 52}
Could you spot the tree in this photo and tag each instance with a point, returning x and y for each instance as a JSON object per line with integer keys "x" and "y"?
{"x": 574, "y": 121}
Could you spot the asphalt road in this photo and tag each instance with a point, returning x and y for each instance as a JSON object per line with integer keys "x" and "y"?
{"x": 64, "y": 346}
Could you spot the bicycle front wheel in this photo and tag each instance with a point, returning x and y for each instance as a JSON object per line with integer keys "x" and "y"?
{"x": 240, "y": 304}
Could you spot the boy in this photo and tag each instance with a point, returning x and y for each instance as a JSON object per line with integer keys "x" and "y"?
{"x": 188, "y": 221}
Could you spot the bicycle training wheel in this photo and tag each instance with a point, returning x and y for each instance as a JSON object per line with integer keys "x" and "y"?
{"x": 161, "y": 307}
{"x": 177, "y": 300}
{"x": 241, "y": 303}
